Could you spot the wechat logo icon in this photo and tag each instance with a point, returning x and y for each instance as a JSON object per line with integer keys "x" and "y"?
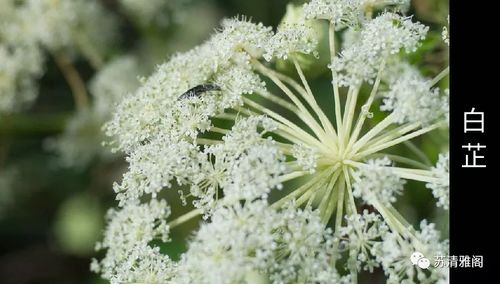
{"x": 418, "y": 259}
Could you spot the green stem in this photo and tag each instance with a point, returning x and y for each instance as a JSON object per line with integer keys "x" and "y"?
{"x": 376, "y": 148}
{"x": 303, "y": 113}
{"x": 400, "y": 159}
{"x": 420, "y": 154}
{"x": 325, "y": 122}
{"x": 336, "y": 95}
{"x": 391, "y": 134}
{"x": 299, "y": 191}
{"x": 364, "y": 113}
{"x": 328, "y": 203}
{"x": 287, "y": 124}
{"x": 370, "y": 134}
{"x": 184, "y": 218}
{"x": 440, "y": 76}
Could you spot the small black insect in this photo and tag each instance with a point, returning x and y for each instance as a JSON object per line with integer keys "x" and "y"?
{"x": 198, "y": 90}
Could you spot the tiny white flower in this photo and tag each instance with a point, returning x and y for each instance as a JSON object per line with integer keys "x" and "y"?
{"x": 341, "y": 13}
{"x": 242, "y": 240}
{"x": 66, "y": 24}
{"x": 445, "y": 33}
{"x": 379, "y": 39}
{"x": 394, "y": 255}
{"x": 376, "y": 182}
{"x": 411, "y": 99}
{"x": 20, "y": 67}
{"x": 361, "y": 233}
{"x": 306, "y": 157}
{"x": 294, "y": 35}
{"x": 129, "y": 256}
{"x": 441, "y": 189}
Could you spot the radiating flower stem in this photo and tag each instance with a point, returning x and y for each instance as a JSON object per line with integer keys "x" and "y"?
{"x": 379, "y": 147}
{"x": 440, "y": 76}
{"x": 184, "y": 218}
{"x": 365, "y": 109}
{"x": 336, "y": 95}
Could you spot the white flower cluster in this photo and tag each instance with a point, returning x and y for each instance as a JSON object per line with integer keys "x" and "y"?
{"x": 379, "y": 39}
{"x": 341, "y": 13}
{"x": 393, "y": 254}
{"x": 411, "y": 99}
{"x": 360, "y": 235}
{"x": 306, "y": 157}
{"x": 441, "y": 189}
{"x": 445, "y": 33}
{"x": 156, "y": 105}
{"x": 349, "y": 13}
{"x": 289, "y": 247}
{"x": 395, "y": 69}
{"x": 294, "y": 35}
{"x": 20, "y": 67}
{"x": 371, "y": 244}
{"x": 246, "y": 166}
{"x": 376, "y": 182}
{"x": 28, "y": 26}
{"x": 20, "y": 62}
{"x": 66, "y": 24}
{"x": 201, "y": 124}
{"x": 130, "y": 257}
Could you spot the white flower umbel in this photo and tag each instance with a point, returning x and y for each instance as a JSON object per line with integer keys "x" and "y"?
{"x": 286, "y": 247}
{"x": 445, "y": 33}
{"x": 154, "y": 165}
{"x": 243, "y": 151}
{"x": 441, "y": 187}
{"x": 376, "y": 182}
{"x": 245, "y": 166}
{"x": 411, "y": 99}
{"x": 349, "y": 13}
{"x": 69, "y": 23}
{"x": 340, "y": 13}
{"x": 64, "y": 29}
{"x": 20, "y": 62}
{"x": 360, "y": 234}
{"x": 129, "y": 256}
{"x": 20, "y": 67}
{"x": 394, "y": 252}
{"x": 294, "y": 35}
{"x": 379, "y": 39}
{"x": 306, "y": 157}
